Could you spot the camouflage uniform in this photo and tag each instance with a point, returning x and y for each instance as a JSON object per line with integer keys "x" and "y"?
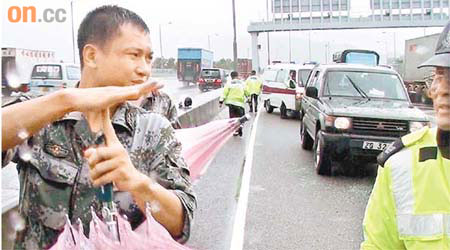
{"x": 163, "y": 105}
{"x": 54, "y": 181}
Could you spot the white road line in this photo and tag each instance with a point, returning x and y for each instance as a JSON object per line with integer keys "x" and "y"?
{"x": 237, "y": 240}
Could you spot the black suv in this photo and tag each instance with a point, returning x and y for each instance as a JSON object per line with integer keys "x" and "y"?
{"x": 212, "y": 79}
{"x": 352, "y": 112}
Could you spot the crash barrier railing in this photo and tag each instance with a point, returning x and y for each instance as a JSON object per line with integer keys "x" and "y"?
{"x": 203, "y": 109}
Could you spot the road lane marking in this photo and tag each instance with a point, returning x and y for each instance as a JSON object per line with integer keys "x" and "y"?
{"x": 237, "y": 239}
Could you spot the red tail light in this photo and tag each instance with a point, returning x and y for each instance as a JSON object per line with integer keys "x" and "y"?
{"x": 218, "y": 81}
{"x": 201, "y": 81}
{"x": 25, "y": 88}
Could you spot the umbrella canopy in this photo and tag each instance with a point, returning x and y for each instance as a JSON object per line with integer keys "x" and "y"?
{"x": 201, "y": 144}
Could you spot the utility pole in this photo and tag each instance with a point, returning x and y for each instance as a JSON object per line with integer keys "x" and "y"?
{"x": 73, "y": 36}
{"x": 268, "y": 42}
{"x": 160, "y": 42}
{"x": 209, "y": 43}
{"x": 309, "y": 44}
{"x": 234, "y": 39}
{"x": 395, "y": 46}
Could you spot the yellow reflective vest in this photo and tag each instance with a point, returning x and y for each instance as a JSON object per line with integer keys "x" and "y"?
{"x": 234, "y": 93}
{"x": 409, "y": 207}
{"x": 253, "y": 85}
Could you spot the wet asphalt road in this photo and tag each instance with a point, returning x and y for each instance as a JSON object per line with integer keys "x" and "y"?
{"x": 289, "y": 205}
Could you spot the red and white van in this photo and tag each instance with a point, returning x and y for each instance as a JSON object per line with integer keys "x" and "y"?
{"x": 278, "y": 89}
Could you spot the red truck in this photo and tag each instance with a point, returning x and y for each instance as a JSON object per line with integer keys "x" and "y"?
{"x": 244, "y": 67}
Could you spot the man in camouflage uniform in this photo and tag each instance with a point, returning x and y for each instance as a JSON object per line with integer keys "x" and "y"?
{"x": 59, "y": 169}
{"x": 162, "y": 104}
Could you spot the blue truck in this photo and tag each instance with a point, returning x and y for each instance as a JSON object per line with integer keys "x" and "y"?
{"x": 190, "y": 63}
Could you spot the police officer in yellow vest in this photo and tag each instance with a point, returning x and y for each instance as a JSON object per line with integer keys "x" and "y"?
{"x": 234, "y": 95}
{"x": 253, "y": 85}
{"x": 409, "y": 207}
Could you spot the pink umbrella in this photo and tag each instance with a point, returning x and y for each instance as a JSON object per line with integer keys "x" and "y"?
{"x": 200, "y": 145}
{"x": 149, "y": 235}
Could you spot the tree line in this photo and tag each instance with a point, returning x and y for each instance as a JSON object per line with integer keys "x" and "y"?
{"x": 171, "y": 63}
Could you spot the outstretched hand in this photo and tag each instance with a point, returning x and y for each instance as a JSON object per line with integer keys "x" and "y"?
{"x": 100, "y": 98}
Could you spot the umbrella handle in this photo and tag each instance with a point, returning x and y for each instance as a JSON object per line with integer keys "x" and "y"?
{"x": 105, "y": 192}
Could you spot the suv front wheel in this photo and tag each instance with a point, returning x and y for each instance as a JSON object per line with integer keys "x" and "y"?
{"x": 322, "y": 162}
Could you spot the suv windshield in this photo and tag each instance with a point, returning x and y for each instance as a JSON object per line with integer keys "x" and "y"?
{"x": 210, "y": 73}
{"x": 364, "y": 84}
{"x": 47, "y": 72}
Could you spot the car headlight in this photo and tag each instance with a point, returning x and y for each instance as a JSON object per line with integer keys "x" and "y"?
{"x": 338, "y": 122}
{"x": 414, "y": 126}
{"x": 342, "y": 123}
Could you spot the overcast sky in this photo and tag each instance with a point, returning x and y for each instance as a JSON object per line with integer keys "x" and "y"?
{"x": 192, "y": 21}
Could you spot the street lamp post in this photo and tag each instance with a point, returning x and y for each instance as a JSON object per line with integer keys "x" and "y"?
{"x": 209, "y": 40}
{"x": 73, "y": 33}
{"x": 386, "y": 49}
{"x": 234, "y": 39}
{"x": 309, "y": 42}
{"x": 160, "y": 39}
{"x": 268, "y": 42}
{"x": 394, "y": 40}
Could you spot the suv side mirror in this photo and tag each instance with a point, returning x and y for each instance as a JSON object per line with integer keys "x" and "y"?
{"x": 312, "y": 92}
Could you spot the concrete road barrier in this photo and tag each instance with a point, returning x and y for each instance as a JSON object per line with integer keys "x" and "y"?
{"x": 204, "y": 108}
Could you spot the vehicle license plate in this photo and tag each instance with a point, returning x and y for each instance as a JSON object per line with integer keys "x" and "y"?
{"x": 44, "y": 89}
{"x": 374, "y": 145}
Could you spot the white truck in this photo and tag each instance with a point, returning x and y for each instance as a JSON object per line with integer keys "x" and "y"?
{"x": 417, "y": 51}
{"x": 17, "y": 65}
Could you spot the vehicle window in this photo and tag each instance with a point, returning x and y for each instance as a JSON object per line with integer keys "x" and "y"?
{"x": 303, "y": 75}
{"x": 210, "y": 73}
{"x": 269, "y": 75}
{"x": 315, "y": 80}
{"x": 47, "y": 72}
{"x": 364, "y": 84}
{"x": 73, "y": 73}
{"x": 282, "y": 75}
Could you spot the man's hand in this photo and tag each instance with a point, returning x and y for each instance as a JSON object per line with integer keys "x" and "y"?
{"x": 96, "y": 99}
{"x": 111, "y": 163}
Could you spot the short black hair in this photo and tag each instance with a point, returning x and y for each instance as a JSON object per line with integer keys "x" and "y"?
{"x": 253, "y": 72}
{"x": 102, "y": 24}
{"x": 234, "y": 74}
